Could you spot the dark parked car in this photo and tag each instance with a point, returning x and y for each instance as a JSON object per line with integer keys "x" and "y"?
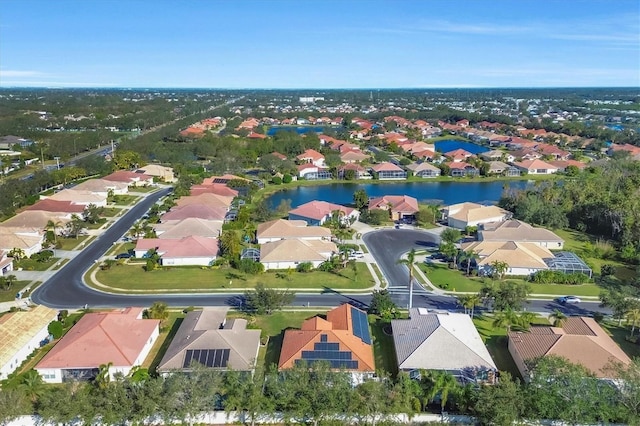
{"x": 124, "y": 256}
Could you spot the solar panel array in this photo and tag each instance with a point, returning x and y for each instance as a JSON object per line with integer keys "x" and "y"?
{"x": 331, "y": 353}
{"x": 207, "y": 357}
{"x": 360, "y": 325}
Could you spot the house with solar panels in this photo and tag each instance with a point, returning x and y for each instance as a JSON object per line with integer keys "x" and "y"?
{"x": 442, "y": 341}
{"x": 343, "y": 340}
{"x": 207, "y": 338}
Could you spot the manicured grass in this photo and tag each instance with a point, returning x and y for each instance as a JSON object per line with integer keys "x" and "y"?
{"x": 110, "y": 211}
{"x": 619, "y": 335}
{"x": 144, "y": 189}
{"x": 32, "y": 265}
{"x": 133, "y": 277}
{"x": 376, "y": 269}
{"x": 71, "y": 243}
{"x": 577, "y": 242}
{"x": 383, "y": 348}
{"x": 497, "y": 343}
{"x": 98, "y": 224}
{"x": 120, "y": 248}
{"x": 10, "y": 294}
{"x": 167, "y": 332}
{"x": 449, "y": 279}
{"x": 124, "y": 200}
{"x": 60, "y": 264}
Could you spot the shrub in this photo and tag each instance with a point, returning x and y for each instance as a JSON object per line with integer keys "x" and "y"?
{"x": 287, "y": 178}
{"x": 305, "y": 267}
{"x": 558, "y": 277}
{"x": 607, "y": 269}
{"x": 55, "y": 329}
{"x": 276, "y": 180}
{"x": 249, "y": 266}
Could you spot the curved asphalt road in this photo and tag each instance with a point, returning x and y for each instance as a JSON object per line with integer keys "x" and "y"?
{"x": 389, "y": 245}
{"x": 66, "y": 289}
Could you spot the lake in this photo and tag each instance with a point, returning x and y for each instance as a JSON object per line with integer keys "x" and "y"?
{"x": 429, "y": 191}
{"x": 299, "y": 129}
{"x": 452, "y": 145}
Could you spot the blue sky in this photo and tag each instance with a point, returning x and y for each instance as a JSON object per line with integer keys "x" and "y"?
{"x": 319, "y": 44}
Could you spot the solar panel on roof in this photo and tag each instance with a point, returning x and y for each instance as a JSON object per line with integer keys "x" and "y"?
{"x": 360, "y": 325}
{"x": 208, "y": 357}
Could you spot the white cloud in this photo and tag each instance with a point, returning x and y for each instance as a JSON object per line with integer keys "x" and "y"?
{"x": 4, "y": 73}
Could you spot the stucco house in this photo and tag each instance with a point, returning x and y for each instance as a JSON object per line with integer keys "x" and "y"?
{"x": 103, "y": 187}
{"x": 461, "y": 169}
{"x": 343, "y": 340}
{"x": 22, "y": 332}
{"x": 465, "y": 214}
{"x": 6, "y": 264}
{"x": 281, "y": 229}
{"x": 399, "y": 206}
{"x": 318, "y": 212}
{"x": 79, "y": 197}
{"x": 312, "y": 156}
{"x": 424, "y": 170}
{"x": 517, "y": 230}
{"x": 522, "y": 258}
{"x": 209, "y": 339}
{"x": 121, "y": 339}
{"x": 191, "y": 250}
{"x": 130, "y": 178}
{"x": 388, "y": 171}
{"x": 580, "y": 340}
{"x": 163, "y": 173}
{"x": 289, "y": 253}
{"x": 359, "y": 172}
{"x": 442, "y": 341}
{"x": 29, "y": 240}
{"x": 536, "y": 167}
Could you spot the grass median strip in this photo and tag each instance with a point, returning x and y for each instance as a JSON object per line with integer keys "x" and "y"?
{"x": 133, "y": 277}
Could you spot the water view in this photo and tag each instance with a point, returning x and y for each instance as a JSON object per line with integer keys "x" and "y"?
{"x": 299, "y": 129}
{"x": 452, "y": 145}
{"x": 434, "y": 192}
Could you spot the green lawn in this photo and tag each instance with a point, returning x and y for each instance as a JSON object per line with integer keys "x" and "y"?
{"x": 497, "y": 344}
{"x": 10, "y": 294}
{"x": 32, "y": 265}
{"x": 133, "y": 277}
{"x": 383, "y": 349}
{"x": 120, "y": 248}
{"x": 98, "y": 224}
{"x": 144, "y": 189}
{"x": 449, "y": 279}
{"x": 577, "y": 242}
{"x": 110, "y": 211}
{"x": 71, "y": 243}
{"x": 619, "y": 335}
{"x": 124, "y": 200}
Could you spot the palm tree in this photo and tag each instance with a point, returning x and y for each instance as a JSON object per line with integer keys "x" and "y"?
{"x": 558, "y": 318}
{"x": 633, "y": 317}
{"x": 54, "y": 226}
{"x": 469, "y": 256}
{"x": 409, "y": 261}
{"x": 498, "y": 268}
{"x": 9, "y": 280}
{"x": 103, "y": 377}
{"x": 137, "y": 229}
{"x": 158, "y": 310}
{"x": 526, "y": 318}
{"x": 469, "y": 302}
{"x": 438, "y": 383}
{"x": 505, "y": 319}
{"x": 32, "y": 384}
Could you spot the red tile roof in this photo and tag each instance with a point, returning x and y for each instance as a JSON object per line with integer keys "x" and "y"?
{"x": 386, "y": 167}
{"x": 399, "y": 203}
{"x": 48, "y": 205}
{"x": 100, "y": 338}
{"x": 319, "y": 209}
{"x": 127, "y": 176}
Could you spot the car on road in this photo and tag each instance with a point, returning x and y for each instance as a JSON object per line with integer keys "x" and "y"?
{"x": 564, "y": 300}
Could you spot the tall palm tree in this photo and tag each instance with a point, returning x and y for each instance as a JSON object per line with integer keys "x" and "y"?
{"x": 54, "y": 226}
{"x": 469, "y": 256}
{"x": 438, "y": 383}
{"x": 498, "y": 268}
{"x": 103, "y": 378}
{"x": 409, "y": 261}
{"x": 32, "y": 384}
{"x": 633, "y": 317}
{"x": 558, "y": 318}
{"x": 9, "y": 280}
{"x": 505, "y": 318}
{"x": 526, "y": 318}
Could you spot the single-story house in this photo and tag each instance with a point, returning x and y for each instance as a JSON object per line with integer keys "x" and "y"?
{"x": 307, "y": 170}
{"x": 458, "y": 155}
{"x": 103, "y": 187}
{"x": 343, "y": 340}
{"x": 62, "y": 208}
{"x": 79, "y": 197}
{"x": 214, "y": 188}
{"x": 580, "y": 340}
{"x": 399, "y": 206}
{"x": 500, "y": 168}
{"x": 163, "y": 173}
{"x": 553, "y": 151}
{"x": 424, "y": 170}
{"x": 536, "y": 167}
{"x": 196, "y": 211}
{"x": 29, "y": 240}
{"x": 318, "y": 212}
{"x": 442, "y": 341}
{"x": 208, "y": 339}
{"x": 522, "y": 258}
{"x": 465, "y": 214}
{"x": 460, "y": 169}
{"x": 281, "y": 229}
{"x": 121, "y": 339}
{"x": 192, "y": 250}
{"x": 517, "y": 230}
{"x": 359, "y": 171}
{"x": 6, "y": 264}
{"x": 353, "y": 156}
{"x": 206, "y": 199}
{"x": 312, "y": 156}
{"x": 498, "y": 155}
{"x": 9, "y": 141}
{"x": 22, "y": 332}
{"x": 289, "y": 253}
{"x": 36, "y": 219}
{"x": 389, "y": 171}
{"x": 563, "y": 164}
{"x": 187, "y": 227}
{"x": 130, "y": 178}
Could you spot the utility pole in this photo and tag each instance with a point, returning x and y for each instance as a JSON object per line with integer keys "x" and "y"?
{"x": 42, "y": 157}
{"x": 57, "y": 162}
{"x": 410, "y": 292}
